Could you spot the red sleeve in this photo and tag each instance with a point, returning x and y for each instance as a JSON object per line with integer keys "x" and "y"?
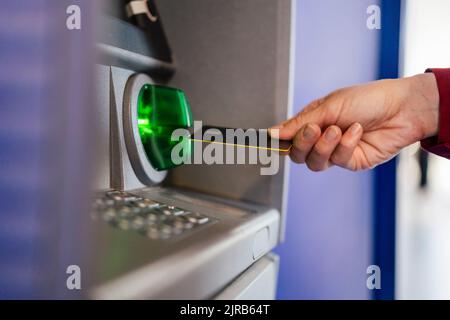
{"x": 440, "y": 144}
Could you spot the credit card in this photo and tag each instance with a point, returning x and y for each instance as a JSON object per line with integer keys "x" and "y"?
{"x": 241, "y": 138}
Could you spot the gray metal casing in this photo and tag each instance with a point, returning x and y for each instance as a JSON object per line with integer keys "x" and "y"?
{"x": 222, "y": 91}
{"x": 233, "y": 62}
{"x": 258, "y": 282}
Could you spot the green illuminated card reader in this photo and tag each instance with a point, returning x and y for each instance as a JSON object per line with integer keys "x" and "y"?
{"x": 151, "y": 113}
{"x": 160, "y": 111}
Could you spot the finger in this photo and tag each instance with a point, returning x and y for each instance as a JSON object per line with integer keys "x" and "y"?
{"x": 342, "y": 156}
{"x": 303, "y": 142}
{"x": 312, "y": 113}
{"x": 319, "y": 157}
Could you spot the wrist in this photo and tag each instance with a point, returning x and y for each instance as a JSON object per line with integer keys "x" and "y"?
{"x": 423, "y": 101}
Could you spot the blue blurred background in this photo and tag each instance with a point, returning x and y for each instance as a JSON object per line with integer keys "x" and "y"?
{"x": 332, "y": 218}
{"x": 42, "y": 145}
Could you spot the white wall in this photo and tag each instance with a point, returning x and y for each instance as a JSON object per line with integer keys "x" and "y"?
{"x": 423, "y": 216}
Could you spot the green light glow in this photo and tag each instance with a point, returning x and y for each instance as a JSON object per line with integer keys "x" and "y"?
{"x": 161, "y": 110}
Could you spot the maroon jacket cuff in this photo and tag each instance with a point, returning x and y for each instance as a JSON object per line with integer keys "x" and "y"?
{"x": 440, "y": 144}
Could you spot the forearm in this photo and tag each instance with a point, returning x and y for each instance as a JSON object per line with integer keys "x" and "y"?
{"x": 424, "y": 100}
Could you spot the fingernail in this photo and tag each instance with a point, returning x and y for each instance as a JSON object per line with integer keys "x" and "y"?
{"x": 356, "y": 127}
{"x": 278, "y": 126}
{"x": 309, "y": 132}
{"x": 331, "y": 134}
{"x": 274, "y": 132}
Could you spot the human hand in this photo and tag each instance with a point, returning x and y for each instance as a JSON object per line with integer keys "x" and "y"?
{"x": 362, "y": 126}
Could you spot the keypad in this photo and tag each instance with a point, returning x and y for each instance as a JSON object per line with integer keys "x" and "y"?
{"x": 156, "y": 220}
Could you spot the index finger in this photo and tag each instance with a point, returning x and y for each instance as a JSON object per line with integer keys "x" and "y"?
{"x": 310, "y": 114}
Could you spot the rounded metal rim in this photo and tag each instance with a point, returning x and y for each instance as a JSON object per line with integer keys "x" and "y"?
{"x": 139, "y": 160}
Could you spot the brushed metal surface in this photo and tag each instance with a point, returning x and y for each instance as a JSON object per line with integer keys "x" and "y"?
{"x": 258, "y": 282}
{"x": 127, "y": 265}
{"x": 233, "y": 62}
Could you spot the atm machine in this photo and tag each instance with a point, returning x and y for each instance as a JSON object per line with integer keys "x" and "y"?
{"x": 193, "y": 231}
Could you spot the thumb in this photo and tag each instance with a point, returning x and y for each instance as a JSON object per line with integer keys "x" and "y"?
{"x": 313, "y": 113}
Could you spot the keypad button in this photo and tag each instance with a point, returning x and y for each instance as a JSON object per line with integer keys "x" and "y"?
{"x": 152, "y": 218}
{"x": 124, "y": 224}
{"x": 109, "y": 215}
{"x": 138, "y": 223}
{"x": 145, "y": 203}
{"x": 202, "y": 220}
{"x": 125, "y": 212}
{"x": 153, "y": 233}
{"x": 196, "y": 218}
